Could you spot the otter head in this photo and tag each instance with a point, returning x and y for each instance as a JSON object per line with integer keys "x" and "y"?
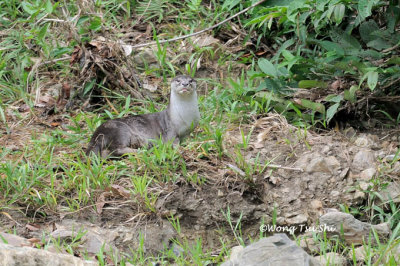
{"x": 183, "y": 85}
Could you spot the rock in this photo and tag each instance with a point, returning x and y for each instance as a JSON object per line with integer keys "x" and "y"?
{"x": 316, "y": 208}
{"x": 332, "y": 258}
{"x": 359, "y": 254}
{"x": 334, "y": 194}
{"x": 363, "y": 159}
{"x": 274, "y": 250}
{"x": 395, "y": 168}
{"x": 368, "y": 174}
{"x": 362, "y": 141}
{"x": 177, "y": 250}
{"x": 394, "y": 253}
{"x": 350, "y": 132}
{"x": 354, "y": 231}
{"x": 364, "y": 185}
{"x": 26, "y": 256}
{"x": 389, "y": 158}
{"x": 359, "y": 196}
{"x": 296, "y": 220}
{"x": 392, "y": 191}
{"x": 235, "y": 251}
{"x": 206, "y": 40}
{"x": 308, "y": 244}
{"x": 324, "y": 165}
{"x": 91, "y": 242}
{"x": 14, "y": 240}
{"x": 146, "y": 56}
{"x": 333, "y": 164}
{"x": 156, "y": 238}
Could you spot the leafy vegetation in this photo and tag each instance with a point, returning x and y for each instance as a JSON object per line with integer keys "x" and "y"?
{"x": 356, "y": 42}
{"x": 309, "y": 60}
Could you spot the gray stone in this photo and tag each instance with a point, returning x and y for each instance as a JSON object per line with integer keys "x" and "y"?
{"x": 91, "y": 241}
{"x": 354, "y": 231}
{"x": 14, "y": 240}
{"x": 334, "y": 194}
{"x": 235, "y": 251}
{"x": 318, "y": 164}
{"x": 274, "y": 250}
{"x": 392, "y": 191}
{"x": 26, "y": 256}
{"x": 147, "y": 56}
{"x": 363, "y": 159}
{"x": 367, "y": 174}
{"x": 359, "y": 254}
{"x": 359, "y": 195}
{"x": 364, "y": 185}
{"x": 332, "y": 259}
{"x": 308, "y": 244}
{"x": 296, "y": 220}
{"x": 362, "y": 141}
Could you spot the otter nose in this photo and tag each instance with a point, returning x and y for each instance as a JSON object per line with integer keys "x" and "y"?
{"x": 185, "y": 83}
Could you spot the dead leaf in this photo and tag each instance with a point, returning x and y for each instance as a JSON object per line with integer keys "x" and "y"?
{"x": 260, "y": 53}
{"x": 119, "y": 190}
{"x": 101, "y": 201}
{"x": 336, "y": 84}
{"x": 24, "y": 108}
{"x": 76, "y": 55}
{"x": 32, "y": 227}
{"x": 54, "y": 124}
{"x": 150, "y": 87}
{"x": 35, "y": 241}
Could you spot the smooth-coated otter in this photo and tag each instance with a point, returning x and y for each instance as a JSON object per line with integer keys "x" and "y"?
{"x": 120, "y": 136}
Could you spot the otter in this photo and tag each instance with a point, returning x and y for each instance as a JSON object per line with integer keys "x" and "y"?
{"x": 120, "y": 136}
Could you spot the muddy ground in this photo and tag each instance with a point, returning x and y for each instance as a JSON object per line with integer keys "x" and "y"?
{"x": 308, "y": 173}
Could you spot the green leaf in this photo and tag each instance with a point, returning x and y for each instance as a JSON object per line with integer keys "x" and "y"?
{"x": 285, "y": 45}
{"x": 372, "y": 79}
{"x": 293, "y": 8}
{"x": 379, "y": 44}
{"x": 364, "y": 8}
{"x": 60, "y": 51}
{"x": 270, "y": 95}
{"x": 95, "y": 24}
{"x": 395, "y": 60}
{"x": 48, "y": 7}
{"x": 318, "y": 107}
{"x": 271, "y": 85}
{"x": 348, "y": 42}
{"x": 366, "y": 29}
{"x": 267, "y": 67}
{"x": 43, "y": 32}
{"x": 306, "y": 84}
{"x": 334, "y": 98}
{"x": 287, "y": 55}
{"x": 339, "y": 13}
{"x": 331, "y": 46}
{"x": 370, "y": 54}
{"x": 88, "y": 86}
{"x": 228, "y": 5}
{"x": 82, "y": 20}
{"x": 321, "y": 4}
{"x": 350, "y": 94}
{"x": 331, "y": 111}
{"x": 29, "y": 8}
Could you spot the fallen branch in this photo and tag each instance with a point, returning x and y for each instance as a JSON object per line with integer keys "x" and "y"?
{"x": 195, "y": 33}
